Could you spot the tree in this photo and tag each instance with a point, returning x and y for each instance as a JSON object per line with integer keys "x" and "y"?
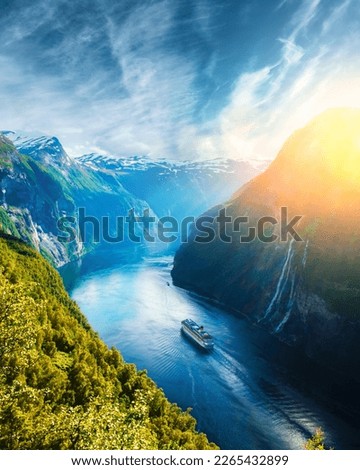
{"x": 61, "y": 387}
{"x": 317, "y": 441}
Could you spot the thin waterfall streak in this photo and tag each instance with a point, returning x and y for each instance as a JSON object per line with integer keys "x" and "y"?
{"x": 305, "y": 254}
{"x": 279, "y": 284}
{"x": 288, "y": 270}
{"x": 289, "y": 306}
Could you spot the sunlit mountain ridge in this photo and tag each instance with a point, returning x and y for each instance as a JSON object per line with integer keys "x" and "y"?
{"x": 307, "y": 292}
{"x": 318, "y": 168}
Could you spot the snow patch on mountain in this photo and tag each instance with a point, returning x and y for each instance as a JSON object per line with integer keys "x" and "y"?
{"x": 46, "y": 149}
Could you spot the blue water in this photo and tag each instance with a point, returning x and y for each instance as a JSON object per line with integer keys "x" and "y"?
{"x": 250, "y": 392}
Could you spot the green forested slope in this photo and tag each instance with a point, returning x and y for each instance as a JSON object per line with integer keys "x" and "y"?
{"x": 61, "y": 387}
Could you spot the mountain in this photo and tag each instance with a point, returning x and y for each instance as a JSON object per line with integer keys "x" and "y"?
{"x": 61, "y": 387}
{"x": 178, "y": 189}
{"x": 307, "y": 292}
{"x": 44, "y": 149}
{"x": 41, "y": 184}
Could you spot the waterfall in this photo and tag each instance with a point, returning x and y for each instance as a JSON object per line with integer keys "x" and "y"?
{"x": 282, "y": 279}
{"x": 305, "y": 254}
{"x": 289, "y": 305}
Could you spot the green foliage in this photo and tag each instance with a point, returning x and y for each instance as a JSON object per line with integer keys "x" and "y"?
{"x": 61, "y": 387}
{"x": 5, "y": 163}
{"x": 317, "y": 441}
{"x": 5, "y": 147}
{"x": 6, "y": 224}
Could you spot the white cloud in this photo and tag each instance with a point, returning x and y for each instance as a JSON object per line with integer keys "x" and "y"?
{"x": 292, "y": 53}
{"x": 303, "y": 17}
{"x": 146, "y": 102}
{"x": 159, "y": 92}
{"x": 23, "y": 22}
{"x": 140, "y": 109}
{"x": 268, "y": 104}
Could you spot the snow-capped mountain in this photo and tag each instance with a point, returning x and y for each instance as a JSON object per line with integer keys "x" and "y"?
{"x": 181, "y": 188}
{"x": 133, "y": 163}
{"x": 45, "y": 149}
{"x": 47, "y": 184}
{"x": 40, "y": 185}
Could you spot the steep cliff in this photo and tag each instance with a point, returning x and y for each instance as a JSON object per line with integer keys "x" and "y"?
{"x": 307, "y": 291}
{"x": 40, "y": 184}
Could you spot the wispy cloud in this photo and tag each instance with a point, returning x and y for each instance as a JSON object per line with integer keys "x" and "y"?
{"x": 292, "y": 53}
{"x": 137, "y": 108}
{"x": 159, "y": 94}
{"x": 268, "y": 104}
{"x": 335, "y": 15}
{"x": 303, "y": 17}
{"x": 281, "y": 4}
{"x": 175, "y": 79}
{"x": 22, "y": 22}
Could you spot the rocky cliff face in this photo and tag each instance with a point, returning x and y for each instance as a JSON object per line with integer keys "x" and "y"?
{"x": 305, "y": 292}
{"x": 42, "y": 184}
{"x": 31, "y": 204}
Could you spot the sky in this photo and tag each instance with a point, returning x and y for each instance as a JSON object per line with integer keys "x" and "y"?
{"x": 180, "y": 79}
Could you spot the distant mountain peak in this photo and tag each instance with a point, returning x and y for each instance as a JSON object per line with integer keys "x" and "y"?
{"x": 46, "y": 149}
{"x": 136, "y": 162}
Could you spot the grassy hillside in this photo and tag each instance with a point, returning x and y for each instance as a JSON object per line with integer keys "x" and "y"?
{"x": 61, "y": 387}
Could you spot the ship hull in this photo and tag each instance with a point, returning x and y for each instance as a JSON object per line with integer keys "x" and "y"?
{"x": 197, "y": 341}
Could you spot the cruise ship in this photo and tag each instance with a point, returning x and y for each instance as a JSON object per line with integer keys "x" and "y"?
{"x": 197, "y": 334}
